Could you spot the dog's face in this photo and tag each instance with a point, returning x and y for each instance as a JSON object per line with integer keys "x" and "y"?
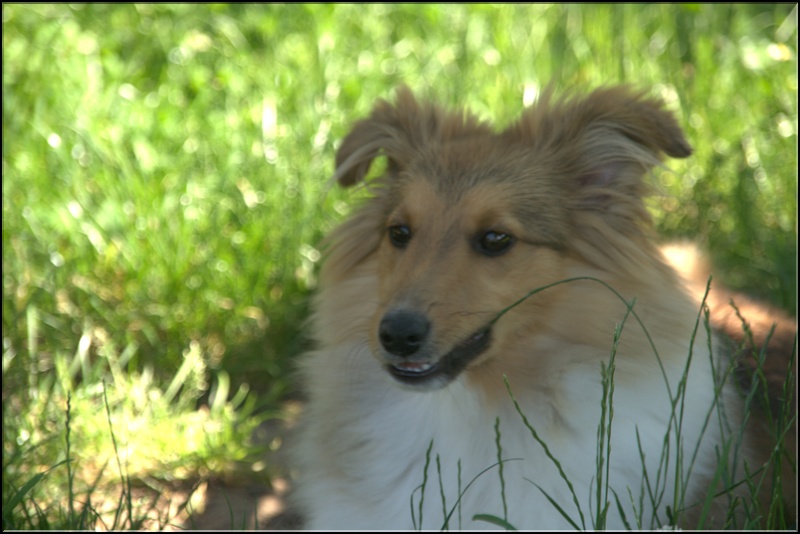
{"x": 466, "y": 221}
{"x": 458, "y": 247}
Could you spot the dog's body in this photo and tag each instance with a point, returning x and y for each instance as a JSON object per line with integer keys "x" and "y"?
{"x": 425, "y": 306}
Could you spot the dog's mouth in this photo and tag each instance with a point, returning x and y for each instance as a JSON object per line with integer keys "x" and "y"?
{"x": 449, "y": 366}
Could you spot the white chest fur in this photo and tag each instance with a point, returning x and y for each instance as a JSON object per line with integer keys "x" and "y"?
{"x": 367, "y": 441}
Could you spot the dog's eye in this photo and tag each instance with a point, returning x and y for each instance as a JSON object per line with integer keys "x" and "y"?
{"x": 494, "y": 243}
{"x": 399, "y": 235}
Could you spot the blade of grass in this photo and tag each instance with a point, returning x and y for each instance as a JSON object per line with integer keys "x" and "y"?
{"x": 555, "y": 462}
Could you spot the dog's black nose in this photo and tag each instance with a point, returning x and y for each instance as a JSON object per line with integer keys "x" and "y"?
{"x": 402, "y": 333}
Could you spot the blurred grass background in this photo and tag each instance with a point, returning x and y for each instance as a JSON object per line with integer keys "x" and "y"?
{"x": 164, "y": 193}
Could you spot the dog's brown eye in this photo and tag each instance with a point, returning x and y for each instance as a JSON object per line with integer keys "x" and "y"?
{"x": 494, "y": 243}
{"x": 399, "y": 235}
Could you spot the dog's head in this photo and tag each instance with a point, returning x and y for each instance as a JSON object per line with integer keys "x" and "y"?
{"x": 466, "y": 220}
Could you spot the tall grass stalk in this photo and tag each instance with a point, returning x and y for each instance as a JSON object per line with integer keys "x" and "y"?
{"x": 441, "y": 487}
{"x": 498, "y": 521}
{"x": 603, "y": 456}
{"x": 500, "y": 468}
{"x": 556, "y": 463}
{"x": 421, "y": 488}
{"x": 725, "y": 479}
{"x": 24, "y": 511}
{"x": 70, "y": 474}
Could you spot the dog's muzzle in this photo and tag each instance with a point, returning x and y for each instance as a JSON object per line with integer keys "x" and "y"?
{"x": 404, "y": 336}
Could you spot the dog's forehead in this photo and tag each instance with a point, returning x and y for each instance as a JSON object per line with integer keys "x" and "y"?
{"x": 456, "y": 167}
{"x": 476, "y": 203}
{"x": 430, "y": 194}
{"x": 477, "y": 184}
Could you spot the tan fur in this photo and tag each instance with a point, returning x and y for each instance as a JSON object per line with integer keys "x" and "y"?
{"x": 566, "y": 181}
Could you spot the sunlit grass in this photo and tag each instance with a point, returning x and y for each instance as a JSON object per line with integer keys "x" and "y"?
{"x": 165, "y": 167}
{"x": 94, "y": 427}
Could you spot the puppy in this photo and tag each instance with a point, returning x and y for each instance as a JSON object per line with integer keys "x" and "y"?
{"x": 501, "y": 343}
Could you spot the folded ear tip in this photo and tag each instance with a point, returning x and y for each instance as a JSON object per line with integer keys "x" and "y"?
{"x": 675, "y": 145}
{"x": 681, "y": 149}
{"x": 346, "y": 180}
{"x": 349, "y": 174}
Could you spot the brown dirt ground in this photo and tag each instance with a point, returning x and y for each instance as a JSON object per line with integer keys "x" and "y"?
{"x": 250, "y": 505}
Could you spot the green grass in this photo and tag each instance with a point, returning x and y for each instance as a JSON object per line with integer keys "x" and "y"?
{"x": 164, "y": 188}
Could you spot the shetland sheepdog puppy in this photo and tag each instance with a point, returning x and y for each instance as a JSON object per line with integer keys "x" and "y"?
{"x": 501, "y": 343}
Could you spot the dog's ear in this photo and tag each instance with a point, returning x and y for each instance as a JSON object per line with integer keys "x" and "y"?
{"x": 606, "y": 139}
{"x": 641, "y": 119}
{"x": 597, "y": 149}
{"x": 389, "y": 130}
{"x": 400, "y": 131}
